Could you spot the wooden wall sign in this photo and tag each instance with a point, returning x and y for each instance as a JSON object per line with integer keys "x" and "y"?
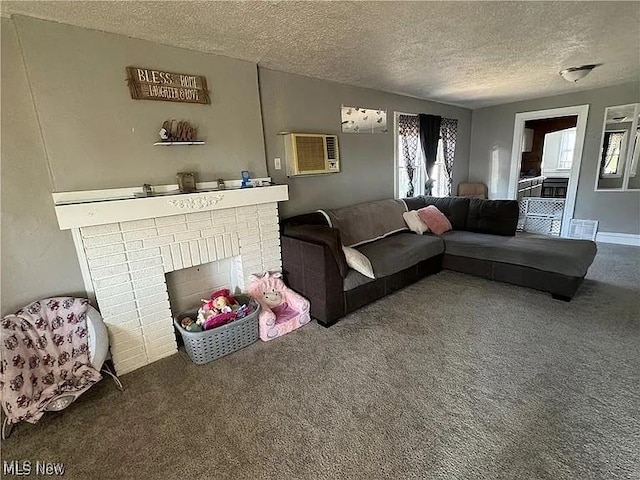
{"x": 148, "y": 84}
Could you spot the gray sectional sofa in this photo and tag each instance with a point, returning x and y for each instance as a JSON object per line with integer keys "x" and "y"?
{"x": 483, "y": 242}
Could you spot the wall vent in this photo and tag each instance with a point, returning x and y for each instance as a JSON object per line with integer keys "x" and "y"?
{"x": 583, "y": 229}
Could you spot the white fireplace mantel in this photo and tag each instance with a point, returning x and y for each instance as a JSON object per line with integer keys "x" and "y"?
{"x": 90, "y": 213}
{"x": 126, "y": 245}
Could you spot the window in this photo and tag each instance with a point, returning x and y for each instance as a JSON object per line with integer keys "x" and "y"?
{"x": 410, "y": 158}
{"x": 614, "y": 142}
{"x": 419, "y": 177}
{"x": 567, "y": 144}
{"x": 440, "y": 182}
{"x": 558, "y": 151}
{"x": 635, "y": 155}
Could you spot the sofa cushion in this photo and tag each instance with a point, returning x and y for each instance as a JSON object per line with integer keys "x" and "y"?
{"x": 552, "y": 254}
{"x": 434, "y": 219}
{"x": 403, "y": 250}
{"x": 358, "y": 262}
{"x": 414, "y": 203}
{"x": 497, "y": 217}
{"x": 414, "y": 223}
{"x": 455, "y": 209}
{"x": 367, "y": 222}
{"x": 354, "y": 280}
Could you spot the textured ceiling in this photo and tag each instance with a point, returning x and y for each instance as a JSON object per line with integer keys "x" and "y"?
{"x": 472, "y": 54}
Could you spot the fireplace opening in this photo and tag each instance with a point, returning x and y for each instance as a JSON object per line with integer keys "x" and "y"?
{"x": 189, "y": 286}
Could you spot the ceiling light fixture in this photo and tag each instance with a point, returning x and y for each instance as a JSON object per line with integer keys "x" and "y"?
{"x": 573, "y": 74}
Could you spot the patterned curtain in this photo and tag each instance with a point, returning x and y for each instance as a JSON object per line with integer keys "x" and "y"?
{"x": 448, "y": 136}
{"x": 408, "y": 128}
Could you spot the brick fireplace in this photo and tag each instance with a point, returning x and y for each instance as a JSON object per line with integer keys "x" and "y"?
{"x": 126, "y": 246}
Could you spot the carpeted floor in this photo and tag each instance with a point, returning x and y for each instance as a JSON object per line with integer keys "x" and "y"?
{"x": 454, "y": 377}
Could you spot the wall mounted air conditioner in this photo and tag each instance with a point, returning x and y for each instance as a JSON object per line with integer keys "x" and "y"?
{"x": 311, "y": 154}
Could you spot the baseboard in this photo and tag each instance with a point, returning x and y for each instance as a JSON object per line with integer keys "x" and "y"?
{"x": 619, "y": 238}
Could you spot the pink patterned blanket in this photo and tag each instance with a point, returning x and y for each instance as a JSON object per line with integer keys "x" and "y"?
{"x": 45, "y": 352}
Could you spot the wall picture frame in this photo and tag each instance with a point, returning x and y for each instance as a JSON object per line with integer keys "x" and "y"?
{"x": 363, "y": 120}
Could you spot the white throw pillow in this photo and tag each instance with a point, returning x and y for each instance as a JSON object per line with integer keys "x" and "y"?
{"x": 358, "y": 261}
{"x": 414, "y": 222}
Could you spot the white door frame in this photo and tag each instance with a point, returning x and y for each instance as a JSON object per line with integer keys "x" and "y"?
{"x": 516, "y": 154}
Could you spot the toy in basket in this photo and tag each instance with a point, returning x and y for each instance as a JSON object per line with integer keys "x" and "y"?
{"x": 220, "y": 309}
{"x": 220, "y": 326}
{"x": 282, "y": 309}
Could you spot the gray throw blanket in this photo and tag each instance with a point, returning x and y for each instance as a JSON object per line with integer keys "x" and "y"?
{"x": 366, "y": 222}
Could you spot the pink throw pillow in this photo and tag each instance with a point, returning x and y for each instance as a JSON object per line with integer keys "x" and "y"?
{"x": 435, "y": 220}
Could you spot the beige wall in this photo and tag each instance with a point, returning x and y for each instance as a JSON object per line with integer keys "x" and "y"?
{"x": 96, "y": 136}
{"x": 302, "y": 104}
{"x": 37, "y": 259}
{"x": 492, "y": 135}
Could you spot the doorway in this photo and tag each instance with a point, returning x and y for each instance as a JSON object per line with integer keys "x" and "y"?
{"x": 560, "y": 132}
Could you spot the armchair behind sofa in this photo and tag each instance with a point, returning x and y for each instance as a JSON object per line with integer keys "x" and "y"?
{"x": 472, "y": 190}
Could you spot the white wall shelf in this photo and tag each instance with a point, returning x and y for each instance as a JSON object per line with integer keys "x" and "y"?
{"x": 172, "y": 144}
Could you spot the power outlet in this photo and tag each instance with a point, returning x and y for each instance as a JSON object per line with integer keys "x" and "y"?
{"x": 277, "y": 163}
